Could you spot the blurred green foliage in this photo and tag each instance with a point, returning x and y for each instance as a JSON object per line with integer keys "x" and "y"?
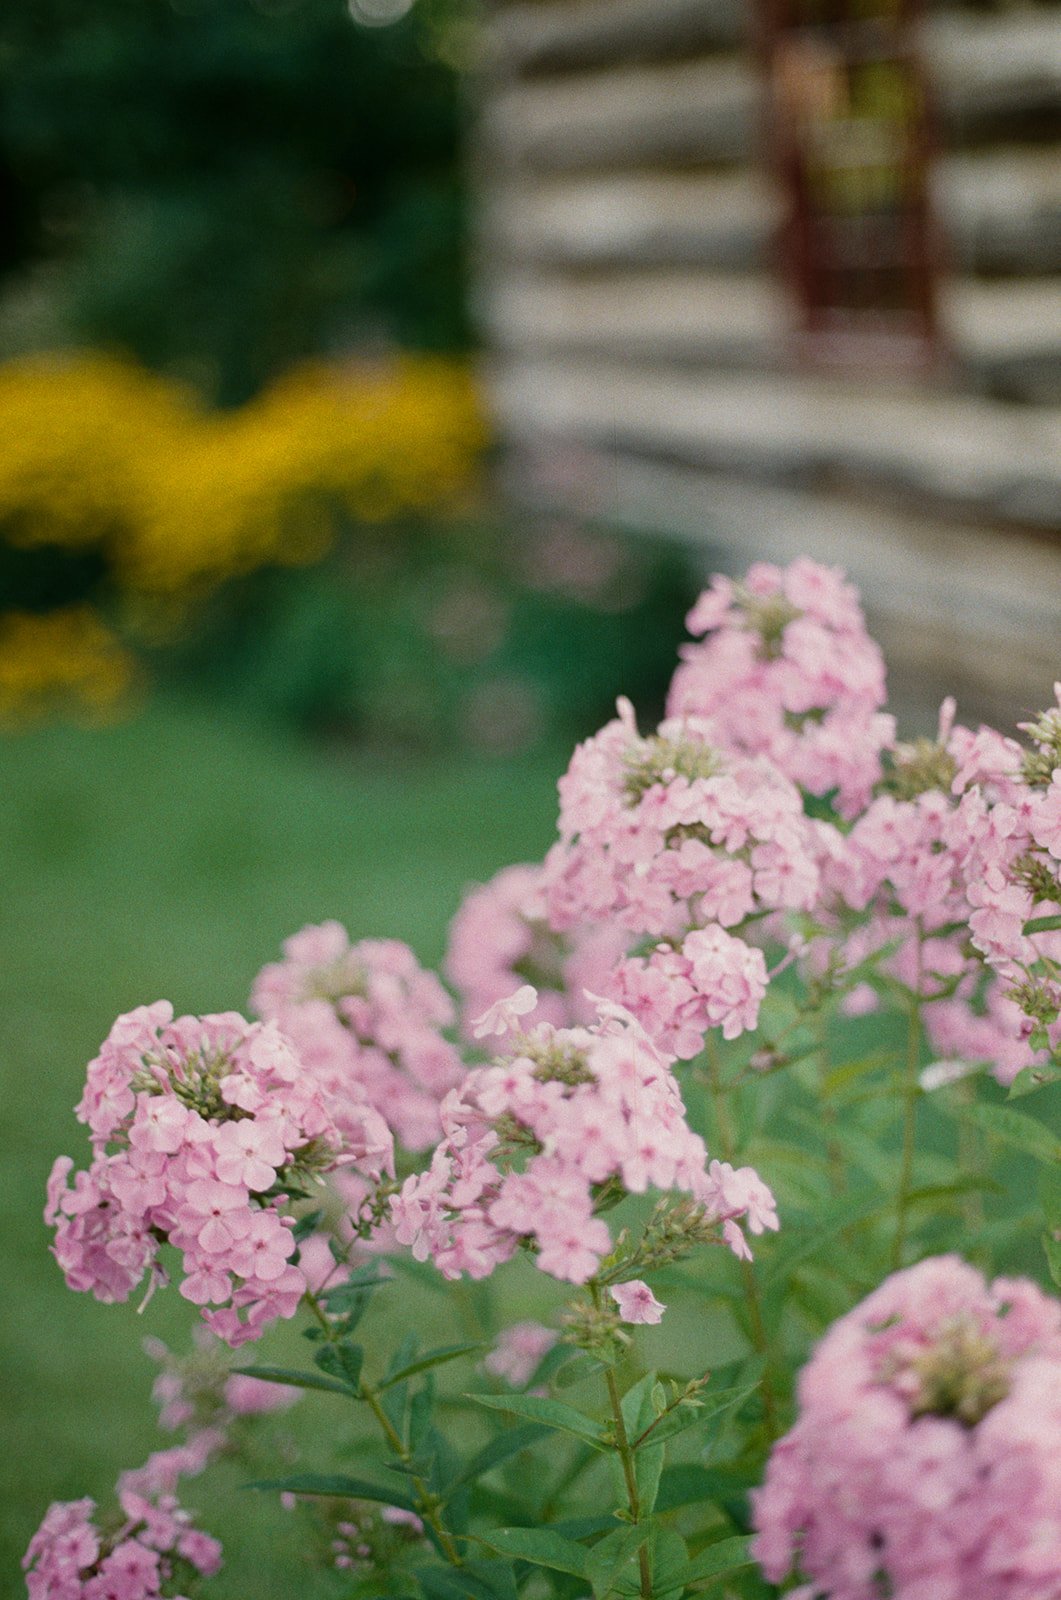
{"x": 222, "y": 187}
{"x": 432, "y": 635}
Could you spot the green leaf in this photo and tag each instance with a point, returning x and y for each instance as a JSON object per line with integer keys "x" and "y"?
{"x": 669, "y": 1561}
{"x": 970, "y": 1183}
{"x": 580, "y": 1367}
{"x": 719, "y": 1560}
{"x": 422, "y": 1271}
{"x": 1052, "y": 1247}
{"x": 350, "y": 1299}
{"x": 1014, "y": 1128}
{"x": 832, "y": 1220}
{"x": 606, "y": 1561}
{"x": 343, "y": 1361}
{"x": 710, "y": 1407}
{"x": 1031, "y": 1078}
{"x": 434, "y": 1358}
{"x": 637, "y": 1405}
{"x": 1050, "y": 1195}
{"x": 337, "y": 1485}
{"x": 299, "y": 1380}
{"x": 306, "y": 1225}
{"x": 542, "y": 1547}
{"x": 686, "y": 1483}
{"x": 476, "y": 1580}
{"x": 1050, "y": 924}
{"x": 553, "y": 1413}
{"x": 561, "y": 1355}
{"x": 648, "y": 1464}
{"x": 341, "y": 1296}
{"x": 500, "y": 1450}
{"x": 848, "y": 1072}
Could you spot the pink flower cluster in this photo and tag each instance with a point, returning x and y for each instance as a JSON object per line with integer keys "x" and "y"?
{"x": 1008, "y": 842}
{"x": 366, "y": 1020}
{"x": 501, "y": 938}
{"x": 533, "y": 1139}
{"x": 200, "y": 1127}
{"x": 786, "y": 669}
{"x": 925, "y": 1458}
{"x": 937, "y": 865}
{"x": 152, "y": 1553}
{"x": 676, "y": 840}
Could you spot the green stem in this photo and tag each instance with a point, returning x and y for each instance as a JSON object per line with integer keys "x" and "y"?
{"x": 428, "y": 1503}
{"x": 626, "y": 1456}
{"x": 834, "y": 1152}
{"x": 752, "y": 1298}
{"x": 911, "y": 1095}
{"x": 971, "y": 1160}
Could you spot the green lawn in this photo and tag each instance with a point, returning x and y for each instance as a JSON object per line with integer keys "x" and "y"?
{"x": 167, "y": 858}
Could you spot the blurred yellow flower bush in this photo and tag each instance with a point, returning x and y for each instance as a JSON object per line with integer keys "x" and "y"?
{"x": 100, "y": 457}
{"x": 66, "y": 659}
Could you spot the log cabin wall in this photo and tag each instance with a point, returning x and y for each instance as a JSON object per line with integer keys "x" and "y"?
{"x": 639, "y": 357}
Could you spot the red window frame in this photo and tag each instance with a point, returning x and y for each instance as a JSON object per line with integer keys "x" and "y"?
{"x": 849, "y": 136}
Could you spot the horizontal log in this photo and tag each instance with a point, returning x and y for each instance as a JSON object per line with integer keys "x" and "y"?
{"x": 684, "y": 113}
{"x": 959, "y": 608}
{"x": 966, "y": 453}
{"x": 1000, "y": 211}
{"x": 1015, "y": 55}
{"x": 559, "y": 37}
{"x": 633, "y": 219}
{"x": 1005, "y": 336}
{"x": 987, "y": 71}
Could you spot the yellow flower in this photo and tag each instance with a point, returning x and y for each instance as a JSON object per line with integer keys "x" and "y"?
{"x": 66, "y": 660}
{"x": 99, "y": 454}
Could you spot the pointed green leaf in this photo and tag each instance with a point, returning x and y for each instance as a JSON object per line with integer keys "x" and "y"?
{"x": 553, "y": 1413}
{"x": 1050, "y": 1195}
{"x": 1031, "y": 1078}
{"x": 669, "y": 1561}
{"x": 1015, "y": 1128}
{"x": 1052, "y": 1247}
{"x": 342, "y": 1360}
{"x": 637, "y": 1407}
{"x": 710, "y": 1407}
{"x": 606, "y": 1561}
{"x": 686, "y": 1483}
{"x": 306, "y": 1224}
{"x": 299, "y": 1380}
{"x": 433, "y": 1358}
{"x": 542, "y": 1547}
{"x": 337, "y": 1485}
{"x": 832, "y": 1220}
{"x": 500, "y": 1450}
{"x": 648, "y": 1464}
{"x": 718, "y": 1561}
{"x": 476, "y": 1580}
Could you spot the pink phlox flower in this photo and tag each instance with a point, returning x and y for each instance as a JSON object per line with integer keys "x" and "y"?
{"x": 636, "y": 1302}
{"x": 505, "y": 1016}
{"x": 249, "y": 1152}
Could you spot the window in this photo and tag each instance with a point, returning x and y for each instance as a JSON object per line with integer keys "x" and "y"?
{"x": 849, "y": 139}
